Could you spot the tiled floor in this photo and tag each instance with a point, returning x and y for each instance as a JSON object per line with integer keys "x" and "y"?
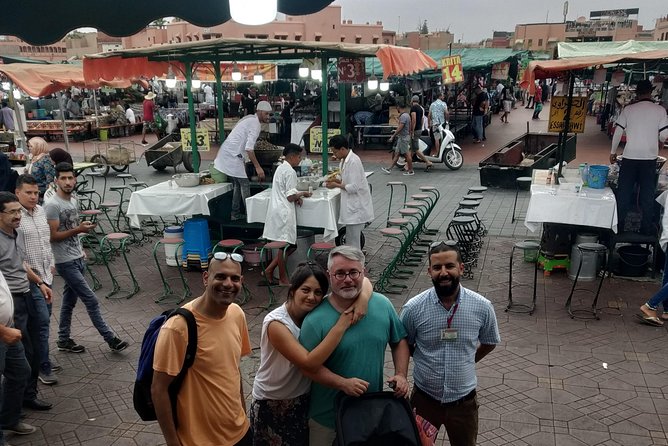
{"x": 552, "y": 380}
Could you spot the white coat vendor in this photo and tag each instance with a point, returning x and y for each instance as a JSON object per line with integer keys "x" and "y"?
{"x": 281, "y": 222}
{"x": 356, "y": 205}
{"x": 231, "y": 158}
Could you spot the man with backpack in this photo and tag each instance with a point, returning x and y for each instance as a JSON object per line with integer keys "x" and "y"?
{"x": 210, "y": 406}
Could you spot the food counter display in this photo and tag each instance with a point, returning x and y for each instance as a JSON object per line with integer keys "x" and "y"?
{"x": 50, "y": 127}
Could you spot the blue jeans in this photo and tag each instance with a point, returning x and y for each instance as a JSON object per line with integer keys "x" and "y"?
{"x": 15, "y": 369}
{"x": 240, "y": 192}
{"x": 28, "y": 321}
{"x": 477, "y": 127}
{"x": 661, "y": 296}
{"x": 43, "y": 311}
{"x": 76, "y": 286}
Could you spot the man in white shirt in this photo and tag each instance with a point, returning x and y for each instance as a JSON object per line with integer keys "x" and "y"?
{"x": 281, "y": 222}
{"x": 231, "y": 158}
{"x": 642, "y": 121}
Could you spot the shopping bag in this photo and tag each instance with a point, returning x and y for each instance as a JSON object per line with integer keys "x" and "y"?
{"x": 426, "y": 430}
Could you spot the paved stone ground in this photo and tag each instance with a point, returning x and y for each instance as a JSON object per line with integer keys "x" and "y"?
{"x": 552, "y": 380}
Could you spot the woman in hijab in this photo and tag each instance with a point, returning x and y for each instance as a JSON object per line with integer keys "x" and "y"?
{"x": 41, "y": 165}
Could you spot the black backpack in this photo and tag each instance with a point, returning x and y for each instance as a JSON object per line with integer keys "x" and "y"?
{"x": 141, "y": 396}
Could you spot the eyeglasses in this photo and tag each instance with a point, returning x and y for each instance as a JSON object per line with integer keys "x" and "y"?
{"x": 354, "y": 275}
{"x": 450, "y": 243}
{"x": 14, "y": 212}
{"x": 229, "y": 255}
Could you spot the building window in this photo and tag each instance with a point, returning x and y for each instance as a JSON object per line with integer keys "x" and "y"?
{"x": 386, "y": 41}
{"x": 375, "y": 40}
{"x": 298, "y": 38}
{"x": 530, "y": 43}
{"x": 540, "y": 43}
{"x": 358, "y": 40}
{"x": 343, "y": 39}
{"x": 317, "y": 38}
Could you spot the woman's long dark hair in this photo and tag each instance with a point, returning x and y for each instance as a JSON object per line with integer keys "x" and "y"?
{"x": 303, "y": 272}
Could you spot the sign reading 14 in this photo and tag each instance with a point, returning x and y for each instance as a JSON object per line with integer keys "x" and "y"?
{"x": 451, "y": 69}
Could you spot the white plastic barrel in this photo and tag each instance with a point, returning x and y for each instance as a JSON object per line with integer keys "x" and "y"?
{"x": 173, "y": 232}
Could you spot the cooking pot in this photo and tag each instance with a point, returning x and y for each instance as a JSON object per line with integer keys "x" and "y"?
{"x": 186, "y": 179}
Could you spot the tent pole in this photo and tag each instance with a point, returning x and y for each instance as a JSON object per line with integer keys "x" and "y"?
{"x": 343, "y": 116}
{"x": 567, "y": 124}
{"x": 97, "y": 112}
{"x": 191, "y": 116}
{"x": 62, "y": 123}
{"x": 219, "y": 102}
{"x": 323, "y": 111}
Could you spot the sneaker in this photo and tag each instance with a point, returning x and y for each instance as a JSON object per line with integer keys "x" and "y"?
{"x": 409, "y": 173}
{"x": 70, "y": 346}
{"x": 48, "y": 378}
{"x": 116, "y": 345}
{"x": 21, "y": 428}
{"x": 386, "y": 170}
{"x": 56, "y": 368}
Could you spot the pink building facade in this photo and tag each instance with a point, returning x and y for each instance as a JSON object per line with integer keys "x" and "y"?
{"x": 326, "y": 25}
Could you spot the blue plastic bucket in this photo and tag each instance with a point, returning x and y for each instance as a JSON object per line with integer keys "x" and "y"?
{"x": 598, "y": 175}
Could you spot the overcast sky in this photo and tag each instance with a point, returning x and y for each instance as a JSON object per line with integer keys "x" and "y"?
{"x": 474, "y": 20}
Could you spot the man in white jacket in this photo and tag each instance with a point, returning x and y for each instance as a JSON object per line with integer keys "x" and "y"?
{"x": 356, "y": 205}
{"x": 281, "y": 221}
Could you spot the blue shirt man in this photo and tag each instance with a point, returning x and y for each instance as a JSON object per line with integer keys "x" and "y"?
{"x": 450, "y": 328}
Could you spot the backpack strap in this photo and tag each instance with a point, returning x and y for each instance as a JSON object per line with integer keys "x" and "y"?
{"x": 188, "y": 360}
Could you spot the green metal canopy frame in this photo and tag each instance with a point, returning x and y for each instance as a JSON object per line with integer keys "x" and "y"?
{"x": 155, "y": 61}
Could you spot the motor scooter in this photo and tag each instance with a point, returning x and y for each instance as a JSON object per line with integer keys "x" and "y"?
{"x": 449, "y": 152}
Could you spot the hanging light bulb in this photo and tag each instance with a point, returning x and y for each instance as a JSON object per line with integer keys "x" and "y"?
{"x": 6, "y": 86}
{"x": 236, "y": 74}
{"x": 253, "y": 12}
{"x": 170, "y": 82}
{"x": 303, "y": 70}
{"x": 372, "y": 83}
{"x": 257, "y": 77}
{"x": 316, "y": 73}
{"x": 384, "y": 85}
{"x": 17, "y": 94}
{"x": 195, "y": 82}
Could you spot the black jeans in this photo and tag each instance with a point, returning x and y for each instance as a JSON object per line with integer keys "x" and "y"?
{"x": 247, "y": 439}
{"x": 28, "y": 321}
{"x": 642, "y": 173}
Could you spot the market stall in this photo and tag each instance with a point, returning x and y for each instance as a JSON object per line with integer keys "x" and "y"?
{"x": 167, "y": 199}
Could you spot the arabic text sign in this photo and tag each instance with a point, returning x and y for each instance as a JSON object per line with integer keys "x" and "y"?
{"x": 558, "y": 114}
{"x": 451, "y": 69}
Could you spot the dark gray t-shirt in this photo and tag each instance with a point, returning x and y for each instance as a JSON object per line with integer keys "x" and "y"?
{"x": 12, "y": 256}
{"x": 67, "y": 214}
{"x": 406, "y": 130}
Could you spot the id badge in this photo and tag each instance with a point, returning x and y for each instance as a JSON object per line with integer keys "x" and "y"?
{"x": 449, "y": 334}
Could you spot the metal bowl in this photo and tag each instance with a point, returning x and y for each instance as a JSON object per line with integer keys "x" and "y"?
{"x": 186, "y": 179}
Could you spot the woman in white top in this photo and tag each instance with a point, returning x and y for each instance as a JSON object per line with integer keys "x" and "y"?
{"x": 279, "y": 413}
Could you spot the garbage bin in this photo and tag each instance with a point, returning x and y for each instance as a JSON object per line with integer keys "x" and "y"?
{"x": 590, "y": 260}
{"x": 173, "y": 232}
{"x": 305, "y": 239}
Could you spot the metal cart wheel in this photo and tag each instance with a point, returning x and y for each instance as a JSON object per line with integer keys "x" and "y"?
{"x": 120, "y": 168}
{"x": 188, "y": 161}
{"x": 102, "y": 166}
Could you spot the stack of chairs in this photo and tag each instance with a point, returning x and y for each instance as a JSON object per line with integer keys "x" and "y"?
{"x": 468, "y": 230}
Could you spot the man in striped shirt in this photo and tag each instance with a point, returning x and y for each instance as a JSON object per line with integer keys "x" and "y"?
{"x": 36, "y": 232}
{"x": 450, "y": 328}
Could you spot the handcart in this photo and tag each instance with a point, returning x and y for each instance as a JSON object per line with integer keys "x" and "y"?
{"x": 107, "y": 154}
{"x": 168, "y": 152}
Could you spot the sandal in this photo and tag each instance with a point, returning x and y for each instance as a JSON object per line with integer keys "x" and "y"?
{"x": 428, "y": 168}
{"x": 650, "y": 320}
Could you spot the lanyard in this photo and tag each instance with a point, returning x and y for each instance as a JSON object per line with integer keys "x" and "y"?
{"x": 454, "y": 310}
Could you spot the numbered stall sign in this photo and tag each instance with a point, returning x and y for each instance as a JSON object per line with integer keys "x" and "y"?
{"x": 202, "y": 136}
{"x": 316, "y": 138}
{"x": 351, "y": 70}
{"x": 451, "y": 68}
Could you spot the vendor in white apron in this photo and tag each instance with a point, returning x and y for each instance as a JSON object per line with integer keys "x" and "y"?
{"x": 356, "y": 205}
{"x": 281, "y": 221}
